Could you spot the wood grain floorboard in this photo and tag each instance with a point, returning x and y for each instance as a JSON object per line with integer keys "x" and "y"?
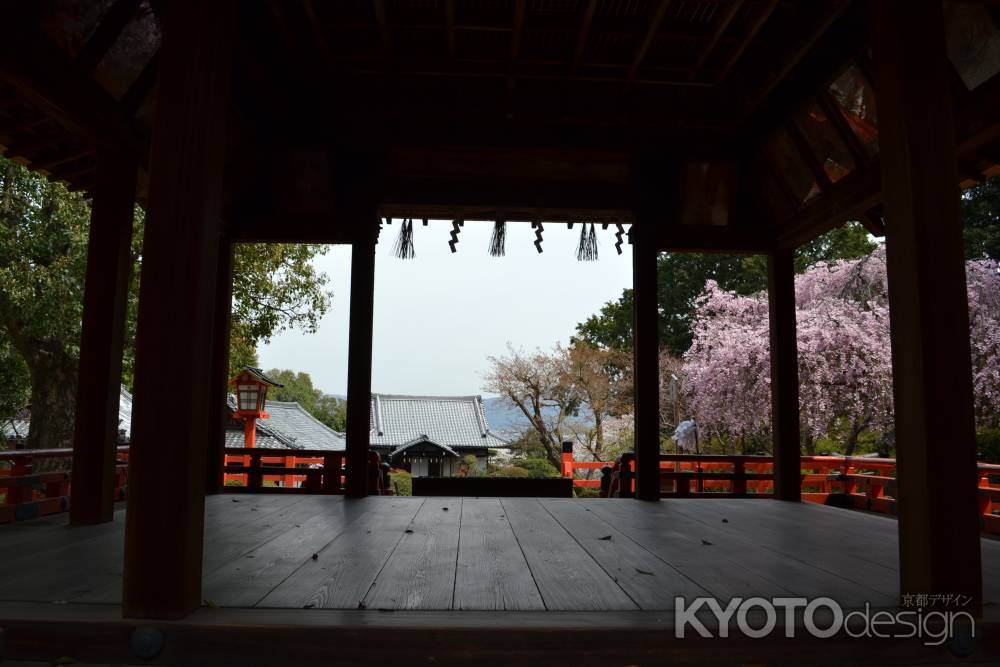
{"x": 719, "y": 568}
{"x": 649, "y": 581}
{"x": 566, "y": 576}
{"x": 344, "y": 570}
{"x": 246, "y": 580}
{"x": 819, "y": 541}
{"x": 420, "y": 573}
{"x": 492, "y": 571}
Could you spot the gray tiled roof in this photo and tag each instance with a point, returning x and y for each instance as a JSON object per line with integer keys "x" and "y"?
{"x": 16, "y": 429}
{"x": 289, "y": 427}
{"x": 454, "y": 421}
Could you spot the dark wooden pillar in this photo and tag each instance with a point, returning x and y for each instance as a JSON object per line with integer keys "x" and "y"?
{"x": 109, "y": 269}
{"x": 647, "y": 356}
{"x": 359, "y": 361}
{"x": 784, "y": 375}
{"x": 935, "y": 433}
{"x": 220, "y": 367}
{"x": 174, "y": 377}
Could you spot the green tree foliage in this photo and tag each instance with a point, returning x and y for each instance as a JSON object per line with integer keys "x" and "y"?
{"x": 43, "y": 240}
{"x": 298, "y": 387}
{"x": 681, "y": 278}
{"x": 981, "y": 220}
{"x": 43, "y": 253}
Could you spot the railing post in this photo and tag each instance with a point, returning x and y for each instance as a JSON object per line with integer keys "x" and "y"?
{"x": 567, "y": 459}
{"x": 739, "y": 479}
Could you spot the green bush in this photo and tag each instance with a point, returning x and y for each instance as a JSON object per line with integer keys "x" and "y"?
{"x": 401, "y": 482}
{"x": 512, "y": 471}
{"x": 536, "y": 466}
{"x": 586, "y": 492}
{"x": 988, "y": 444}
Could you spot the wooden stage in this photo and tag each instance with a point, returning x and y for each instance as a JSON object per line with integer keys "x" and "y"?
{"x": 466, "y": 556}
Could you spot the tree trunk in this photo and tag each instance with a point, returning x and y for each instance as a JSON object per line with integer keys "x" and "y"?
{"x": 53, "y": 397}
{"x": 852, "y": 437}
{"x": 598, "y": 435}
{"x": 810, "y": 445}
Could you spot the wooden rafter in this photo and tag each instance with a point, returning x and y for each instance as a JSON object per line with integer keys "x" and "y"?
{"x": 317, "y": 30}
{"x": 383, "y": 27}
{"x": 583, "y": 35}
{"x": 654, "y": 27}
{"x": 727, "y": 17}
{"x": 449, "y": 17}
{"x": 808, "y": 156}
{"x": 762, "y": 16}
{"x": 141, "y": 87}
{"x": 833, "y": 11}
{"x": 111, "y": 26}
{"x": 520, "y": 8}
{"x": 842, "y": 129}
{"x": 63, "y": 159}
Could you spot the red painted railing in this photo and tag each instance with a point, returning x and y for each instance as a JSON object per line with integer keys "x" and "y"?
{"x": 27, "y": 490}
{"x": 856, "y": 482}
{"x": 256, "y": 470}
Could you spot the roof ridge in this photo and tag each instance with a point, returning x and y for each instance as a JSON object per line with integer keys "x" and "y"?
{"x": 463, "y": 397}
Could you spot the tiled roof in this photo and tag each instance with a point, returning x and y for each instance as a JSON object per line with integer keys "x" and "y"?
{"x": 16, "y": 429}
{"x": 453, "y": 421}
{"x": 422, "y": 439}
{"x": 289, "y": 427}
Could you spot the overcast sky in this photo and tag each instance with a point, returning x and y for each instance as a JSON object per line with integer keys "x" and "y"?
{"x": 439, "y": 315}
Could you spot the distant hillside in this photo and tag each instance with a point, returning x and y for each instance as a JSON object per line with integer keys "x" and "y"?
{"x": 507, "y": 420}
{"x": 504, "y": 419}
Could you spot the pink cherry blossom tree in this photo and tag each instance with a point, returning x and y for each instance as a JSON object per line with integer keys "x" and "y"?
{"x": 845, "y": 360}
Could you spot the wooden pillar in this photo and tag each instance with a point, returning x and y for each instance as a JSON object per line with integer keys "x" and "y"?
{"x": 215, "y": 460}
{"x": 784, "y": 375}
{"x": 646, "y": 346}
{"x": 109, "y": 269}
{"x": 932, "y": 388}
{"x": 359, "y": 362}
{"x": 174, "y": 376}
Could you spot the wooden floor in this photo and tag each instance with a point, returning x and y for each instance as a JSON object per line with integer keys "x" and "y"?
{"x": 488, "y": 554}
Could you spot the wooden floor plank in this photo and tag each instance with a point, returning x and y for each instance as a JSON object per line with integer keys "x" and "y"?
{"x": 344, "y": 570}
{"x": 420, "y": 574}
{"x": 492, "y": 571}
{"x": 252, "y": 522}
{"x": 245, "y": 581}
{"x": 650, "y": 582}
{"x": 727, "y": 565}
{"x": 566, "y": 576}
{"x": 822, "y": 551}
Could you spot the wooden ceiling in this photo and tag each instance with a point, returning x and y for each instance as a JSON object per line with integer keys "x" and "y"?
{"x": 594, "y": 72}
{"x": 741, "y": 82}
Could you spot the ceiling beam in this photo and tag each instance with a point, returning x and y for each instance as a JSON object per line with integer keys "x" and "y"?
{"x": 449, "y": 17}
{"x": 110, "y": 27}
{"x": 383, "y": 27}
{"x": 317, "y": 30}
{"x": 765, "y": 13}
{"x": 727, "y": 17}
{"x": 45, "y": 77}
{"x": 141, "y": 87}
{"x": 729, "y": 239}
{"x": 654, "y": 27}
{"x": 583, "y": 36}
{"x": 850, "y": 198}
{"x": 830, "y": 15}
{"x": 520, "y": 8}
